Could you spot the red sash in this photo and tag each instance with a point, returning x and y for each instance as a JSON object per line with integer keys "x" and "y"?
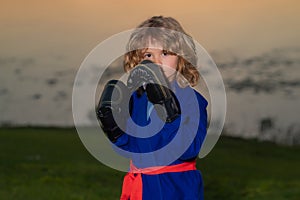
{"x": 133, "y": 184}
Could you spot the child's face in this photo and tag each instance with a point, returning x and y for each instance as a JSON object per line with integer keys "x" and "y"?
{"x": 167, "y": 61}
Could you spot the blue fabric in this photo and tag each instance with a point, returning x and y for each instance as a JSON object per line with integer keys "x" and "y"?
{"x": 179, "y": 185}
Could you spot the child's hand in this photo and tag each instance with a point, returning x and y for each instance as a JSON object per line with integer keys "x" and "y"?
{"x": 114, "y": 99}
{"x": 149, "y": 75}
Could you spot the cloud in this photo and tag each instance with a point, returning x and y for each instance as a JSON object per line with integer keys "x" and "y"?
{"x": 3, "y": 91}
{"x": 60, "y": 95}
{"x": 268, "y": 72}
{"x": 51, "y": 81}
{"x": 36, "y": 96}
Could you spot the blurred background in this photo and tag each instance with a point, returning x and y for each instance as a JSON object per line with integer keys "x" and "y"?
{"x": 255, "y": 45}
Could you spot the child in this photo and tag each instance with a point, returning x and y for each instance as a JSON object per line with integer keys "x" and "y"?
{"x": 155, "y": 173}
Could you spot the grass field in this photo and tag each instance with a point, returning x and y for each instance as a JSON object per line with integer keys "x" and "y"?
{"x": 50, "y": 163}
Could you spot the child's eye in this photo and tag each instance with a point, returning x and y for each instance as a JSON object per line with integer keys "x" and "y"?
{"x": 147, "y": 55}
{"x": 166, "y": 53}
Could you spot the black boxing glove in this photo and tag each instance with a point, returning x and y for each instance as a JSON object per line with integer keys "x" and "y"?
{"x": 114, "y": 98}
{"x": 150, "y": 77}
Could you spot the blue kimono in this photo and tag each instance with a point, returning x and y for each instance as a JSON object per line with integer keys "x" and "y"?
{"x": 151, "y": 142}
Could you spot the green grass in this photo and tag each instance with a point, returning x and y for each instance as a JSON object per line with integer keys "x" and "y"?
{"x": 50, "y": 163}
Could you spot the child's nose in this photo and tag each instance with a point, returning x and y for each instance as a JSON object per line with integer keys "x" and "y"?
{"x": 157, "y": 60}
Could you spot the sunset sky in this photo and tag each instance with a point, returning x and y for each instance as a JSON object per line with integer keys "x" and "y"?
{"x": 72, "y": 28}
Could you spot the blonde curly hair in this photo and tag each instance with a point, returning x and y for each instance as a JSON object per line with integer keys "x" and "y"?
{"x": 169, "y": 33}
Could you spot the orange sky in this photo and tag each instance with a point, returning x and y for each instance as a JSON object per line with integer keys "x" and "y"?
{"x": 74, "y": 27}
